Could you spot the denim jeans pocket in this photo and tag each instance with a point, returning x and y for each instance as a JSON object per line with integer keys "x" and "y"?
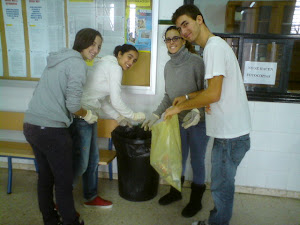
{"x": 239, "y": 147}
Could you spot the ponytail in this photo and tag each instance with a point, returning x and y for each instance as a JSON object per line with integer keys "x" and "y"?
{"x": 124, "y": 48}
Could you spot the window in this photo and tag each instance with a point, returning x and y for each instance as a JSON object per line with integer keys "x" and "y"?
{"x": 261, "y": 33}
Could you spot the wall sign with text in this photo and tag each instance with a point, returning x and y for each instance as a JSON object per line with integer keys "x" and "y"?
{"x": 260, "y": 72}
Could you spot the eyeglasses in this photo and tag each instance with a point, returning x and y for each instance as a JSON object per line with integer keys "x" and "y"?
{"x": 174, "y": 39}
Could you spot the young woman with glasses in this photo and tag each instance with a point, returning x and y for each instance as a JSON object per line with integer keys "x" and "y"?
{"x": 184, "y": 73}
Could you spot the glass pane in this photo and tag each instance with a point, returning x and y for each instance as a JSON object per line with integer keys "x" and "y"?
{"x": 262, "y": 62}
{"x": 294, "y": 79}
{"x": 234, "y": 44}
{"x": 262, "y": 17}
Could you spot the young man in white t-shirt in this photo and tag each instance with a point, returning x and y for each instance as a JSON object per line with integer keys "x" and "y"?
{"x": 229, "y": 118}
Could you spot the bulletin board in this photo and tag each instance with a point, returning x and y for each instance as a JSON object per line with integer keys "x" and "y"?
{"x": 138, "y": 30}
{"x": 31, "y": 29}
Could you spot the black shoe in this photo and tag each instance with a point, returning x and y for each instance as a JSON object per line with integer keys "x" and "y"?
{"x": 190, "y": 210}
{"x": 194, "y": 206}
{"x": 173, "y": 196}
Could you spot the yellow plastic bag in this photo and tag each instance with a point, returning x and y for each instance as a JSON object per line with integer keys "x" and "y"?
{"x": 165, "y": 155}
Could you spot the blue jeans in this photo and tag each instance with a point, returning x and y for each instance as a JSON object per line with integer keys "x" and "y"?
{"x": 226, "y": 156}
{"x": 194, "y": 139}
{"x": 85, "y": 156}
{"x": 52, "y": 148}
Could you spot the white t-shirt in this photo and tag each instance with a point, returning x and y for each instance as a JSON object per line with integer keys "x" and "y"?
{"x": 230, "y": 116}
{"x": 102, "y": 90}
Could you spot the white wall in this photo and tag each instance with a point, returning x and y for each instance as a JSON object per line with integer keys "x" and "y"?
{"x": 274, "y": 158}
{"x": 273, "y": 161}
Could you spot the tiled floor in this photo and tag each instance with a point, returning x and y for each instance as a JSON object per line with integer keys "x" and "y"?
{"x": 21, "y": 208}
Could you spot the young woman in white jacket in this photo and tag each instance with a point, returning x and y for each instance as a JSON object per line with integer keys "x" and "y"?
{"x": 102, "y": 91}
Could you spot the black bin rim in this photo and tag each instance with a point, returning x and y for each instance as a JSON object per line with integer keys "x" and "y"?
{"x": 115, "y": 134}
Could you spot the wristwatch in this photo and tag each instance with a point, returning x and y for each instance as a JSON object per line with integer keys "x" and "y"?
{"x": 187, "y": 97}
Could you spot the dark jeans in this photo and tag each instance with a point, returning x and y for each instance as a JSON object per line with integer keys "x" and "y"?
{"x": 53, "y": 151}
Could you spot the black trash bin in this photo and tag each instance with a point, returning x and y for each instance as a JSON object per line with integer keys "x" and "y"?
{"x": 137, "y": 179}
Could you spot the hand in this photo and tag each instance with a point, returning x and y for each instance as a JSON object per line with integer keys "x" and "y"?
{"x": 90, "y": 118}
{"x": 150, "y": 121}
{"x": 208, "y": 110}
{"x": 123, "y": 121}
{"x": 171, "y": 111}
{"x": 139, "y": 117}
{"x": 192, "y": 118}
{"x": 179, "y": 100}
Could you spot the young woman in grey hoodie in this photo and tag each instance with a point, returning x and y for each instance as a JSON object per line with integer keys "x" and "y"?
{"x": 55, "y": 101}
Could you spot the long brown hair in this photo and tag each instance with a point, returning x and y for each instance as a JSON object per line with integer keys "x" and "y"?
{"x": 188, "y": 45}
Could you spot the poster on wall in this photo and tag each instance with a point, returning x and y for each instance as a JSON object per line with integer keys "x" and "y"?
{"x": 81, "y": 14}
{"x": 139, "y": 24}
{"x": 17, "y": 63}
{"x": 12, "y": 11}
{"x": 37, "y": 24}
{"x": 260, "y": 72}
{"x": 14, "y": 35}
{"x": 105, "y": 16}
{"x": 46, "y": 30}
{"x": 13, "y": 24}
{"x": 36, "y": 12}
{"x": 110, "y": 17}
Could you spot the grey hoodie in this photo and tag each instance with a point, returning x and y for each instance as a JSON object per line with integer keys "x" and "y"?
{"x": 59, "y": 90}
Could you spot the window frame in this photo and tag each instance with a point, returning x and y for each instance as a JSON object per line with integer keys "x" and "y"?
{"x": 279, "y": 94}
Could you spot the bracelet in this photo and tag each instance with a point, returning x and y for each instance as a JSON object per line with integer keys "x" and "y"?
{"x": 187, "y": 97}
